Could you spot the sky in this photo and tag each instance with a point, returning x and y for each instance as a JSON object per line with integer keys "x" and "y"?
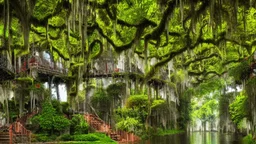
{"x": 62, "y": 91}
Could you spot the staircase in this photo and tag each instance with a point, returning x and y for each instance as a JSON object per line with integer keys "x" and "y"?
{"x": 4, "y": 138}
{"x": 19, "y": 134}
{"x": 101, "y": 126}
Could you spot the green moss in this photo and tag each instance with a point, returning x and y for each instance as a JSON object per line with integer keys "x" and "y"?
{"x": 56, "y": 21}
{"x": 20, "y": 52}
{"x": 25, "y": 79}
{"x": 158, "y": 104}
{"x": 44, "y": 8}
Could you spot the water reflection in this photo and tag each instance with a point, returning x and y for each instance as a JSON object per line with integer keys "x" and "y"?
{"x": 196, "y": 138}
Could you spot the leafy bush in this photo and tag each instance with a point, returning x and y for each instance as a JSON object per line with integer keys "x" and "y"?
{"x": 128, "y": 124}
{"x": 249, "y": 139}
{"x": 66, "y": 137}
{"x": 49, "y": 121}
{"x": 241, "y": 71}
{"x": 138, "y": 101}
{"x": 79, "y": 125}
{"x": 86, "y": 137}
{"x": 57, "y": 106}
{"x": 65, "y": 107}
{"x": 116, "y": 89}
{"x": 100, "y": 100}
{"x": 238, "y": 109}
{"x": 42, "y": 138}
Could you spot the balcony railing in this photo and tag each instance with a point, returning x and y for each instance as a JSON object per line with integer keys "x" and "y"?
{"x": 42, "y": 66}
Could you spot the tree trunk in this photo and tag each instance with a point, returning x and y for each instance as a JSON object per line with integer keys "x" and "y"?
{"x": 21, "y": 105}
{"x": 57, "y": 91}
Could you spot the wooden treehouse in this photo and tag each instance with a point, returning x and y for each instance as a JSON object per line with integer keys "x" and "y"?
{"x": 106, "y": 66}
{"x": 6, "y": 68}
{"x": 41, "y": 65}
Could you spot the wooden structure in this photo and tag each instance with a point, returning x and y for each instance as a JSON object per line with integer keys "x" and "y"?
{"x": 19, "y": 134}
{"x": 6, "y": 69}
{"x": 39, "y": 67}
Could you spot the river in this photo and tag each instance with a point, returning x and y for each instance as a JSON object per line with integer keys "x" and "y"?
{"x": 196, "y": 138}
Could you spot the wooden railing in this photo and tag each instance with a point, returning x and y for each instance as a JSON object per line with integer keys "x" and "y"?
{"x": 46, "y": 66}
{"x": 18, "y": 130}
{"x": 24, "y": 118}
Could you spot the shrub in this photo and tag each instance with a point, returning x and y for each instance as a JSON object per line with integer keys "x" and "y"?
{"x": 49, "y": 121}
{"x": 137, "y": 101}
{"x": 66, "y": 137}
{"x": 79, "y": 125}
{"x": 249, "y": 139}
{"x": 86, "y": 137}
{"x": 41, "y": 138}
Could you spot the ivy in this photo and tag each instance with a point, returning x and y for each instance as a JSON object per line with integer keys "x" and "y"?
{"x": 238, "y": 108}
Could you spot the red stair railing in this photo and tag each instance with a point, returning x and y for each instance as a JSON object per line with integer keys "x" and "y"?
{"x": 100, "y": 126}
{"x": 17, "y": 129}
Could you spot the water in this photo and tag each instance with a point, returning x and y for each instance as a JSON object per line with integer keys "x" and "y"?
{"x": 196, "y": 138}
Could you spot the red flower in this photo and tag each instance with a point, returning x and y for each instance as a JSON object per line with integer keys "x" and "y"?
{"x": 38, "y": 85}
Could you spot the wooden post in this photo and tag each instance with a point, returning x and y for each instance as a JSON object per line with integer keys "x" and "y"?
{"x": 10, "y": 134}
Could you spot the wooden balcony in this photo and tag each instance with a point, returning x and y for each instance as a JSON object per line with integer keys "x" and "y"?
{"x": 41, "y": 68}
{"x": 6, "y": 68}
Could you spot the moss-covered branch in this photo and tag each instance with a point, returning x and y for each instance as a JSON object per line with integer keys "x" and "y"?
{"x": 200, "y": 59}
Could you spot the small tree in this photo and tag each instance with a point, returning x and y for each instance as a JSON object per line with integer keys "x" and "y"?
{"x": 49, "y": 120}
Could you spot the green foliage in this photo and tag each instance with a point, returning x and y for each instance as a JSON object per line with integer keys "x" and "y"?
{"x": 209, "y": 87}
{"x": 116, "y": 89}
{"x": 79, "y": 124}
{"x": 43, "y": 138}
{"x": 241, "y": 71}
{"x": 86, "y": 137}
{"x": 93, "y": 137}
{"x": 57, "y": 106}
{"x": 138, "y": 101}
{"x": 206, "y": 111}
{"x": 25, "y": 79}
{"x": 159, "y": 104}
{"x": 44, "y": 8}
{"x": 128, "y": 124}
{"x": 101, "y": 101}
{"x": 65, "y": 107}
{"x": 49, "y": 120}
{"x": 66, "y": 137}
{"x": 238, "y": 108}
{"x": 184, "y": 109}
{"x": 249, "y": 139}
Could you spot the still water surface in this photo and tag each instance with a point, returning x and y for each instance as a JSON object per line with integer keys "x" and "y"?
{"x": 196, "y": 138}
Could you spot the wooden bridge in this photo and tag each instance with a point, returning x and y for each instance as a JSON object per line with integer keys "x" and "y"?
{"x": 6, "y": 69}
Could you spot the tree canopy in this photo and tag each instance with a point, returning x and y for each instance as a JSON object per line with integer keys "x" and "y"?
{"x": 206, "y": 37}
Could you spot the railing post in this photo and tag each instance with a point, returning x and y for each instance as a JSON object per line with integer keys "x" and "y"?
{"x": 10, "y": 134}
